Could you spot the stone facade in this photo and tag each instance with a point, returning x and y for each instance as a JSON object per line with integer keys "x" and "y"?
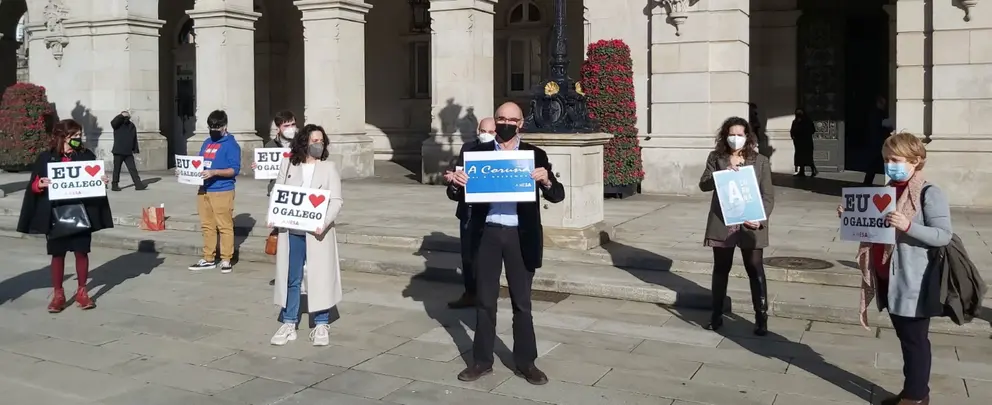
{"x": 387, "y": 88}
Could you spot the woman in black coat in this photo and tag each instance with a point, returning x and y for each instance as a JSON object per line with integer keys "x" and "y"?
{"x": 802, "y": 139}
{"x": 38, "y": 213}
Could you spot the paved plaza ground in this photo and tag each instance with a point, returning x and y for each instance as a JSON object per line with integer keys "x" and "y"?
{"x": 162, "y": 335}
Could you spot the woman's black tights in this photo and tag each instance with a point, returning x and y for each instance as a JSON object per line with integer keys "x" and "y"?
{"x": 723, "y": 262}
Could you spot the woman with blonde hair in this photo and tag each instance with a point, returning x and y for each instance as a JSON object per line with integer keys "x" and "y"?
{"x": 895, "y": 273}
{"x": 308, "y": 167}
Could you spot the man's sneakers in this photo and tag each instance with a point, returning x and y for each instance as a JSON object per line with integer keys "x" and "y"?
{"x": 203, "y": 265}
{"x": 285, "y": 334}
{"x": 225, "y": 266}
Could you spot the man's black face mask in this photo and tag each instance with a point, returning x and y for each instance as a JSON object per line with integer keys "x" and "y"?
{"x": 505, "y": 132}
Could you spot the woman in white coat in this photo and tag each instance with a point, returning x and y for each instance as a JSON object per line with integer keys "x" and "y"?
{"x": 308, "y": 167}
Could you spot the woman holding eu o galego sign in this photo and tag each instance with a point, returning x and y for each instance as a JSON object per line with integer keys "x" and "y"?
{"x": 308, "y": 168}
{"x": 68, "y": 224}
{"x": 737, "y": 146}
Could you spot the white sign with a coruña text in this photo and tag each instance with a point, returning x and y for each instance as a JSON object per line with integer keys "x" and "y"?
{"x": 72, "y": 180}
{"x": 268, "y": 161}
{"x": 298, "y": 208}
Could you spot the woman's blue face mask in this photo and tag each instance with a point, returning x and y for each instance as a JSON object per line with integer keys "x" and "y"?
{"x": 898, "y": 171}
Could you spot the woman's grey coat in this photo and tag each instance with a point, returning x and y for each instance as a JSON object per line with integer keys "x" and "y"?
{"x": 931, "y": 227}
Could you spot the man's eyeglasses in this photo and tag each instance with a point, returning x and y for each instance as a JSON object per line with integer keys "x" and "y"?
{"x": 508, "y": 120}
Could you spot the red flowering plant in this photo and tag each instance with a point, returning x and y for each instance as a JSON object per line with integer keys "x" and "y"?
{"x": 608, "y": 83}
{"x": 24, "y": 114}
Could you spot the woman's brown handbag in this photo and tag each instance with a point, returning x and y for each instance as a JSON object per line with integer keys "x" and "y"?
{"x": 271, "y": 244}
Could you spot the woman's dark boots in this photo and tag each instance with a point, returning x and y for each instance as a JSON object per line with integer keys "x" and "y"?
{"x": 759, "y": 298}
{"x": 719, "y": 290}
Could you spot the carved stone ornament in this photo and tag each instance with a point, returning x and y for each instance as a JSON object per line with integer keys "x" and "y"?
{"x": 55, "y": 14}
{"x": 677, "y": 12}
{"x": 967, "y": 5}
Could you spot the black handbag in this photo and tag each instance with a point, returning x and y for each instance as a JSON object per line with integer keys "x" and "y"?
{"x": 68, "y": 220}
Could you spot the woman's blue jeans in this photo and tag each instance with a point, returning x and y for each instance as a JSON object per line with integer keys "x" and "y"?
{"x": 297, "y": 258}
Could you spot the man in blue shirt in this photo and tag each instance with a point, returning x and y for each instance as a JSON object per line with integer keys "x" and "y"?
{"x": 215, "y": 199}
{"x": 510, "y": 234}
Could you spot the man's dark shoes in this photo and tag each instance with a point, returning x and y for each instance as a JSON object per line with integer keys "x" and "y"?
{"x": 115, "y": 187}
{"x": 533, "y": 375}
{"x": 140, "y": 187}
{"x": 466, "y": 301}
{"x": 474, "y": 372}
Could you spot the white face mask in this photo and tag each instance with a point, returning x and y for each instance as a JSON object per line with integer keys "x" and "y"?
{"x": 289, "y": 133}
{"x": 484, "y": 137}
{"x": 736, "y": 142}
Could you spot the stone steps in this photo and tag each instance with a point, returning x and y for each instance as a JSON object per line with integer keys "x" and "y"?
{"x": 615, "y": 254}
{"x": 836, "y": 304}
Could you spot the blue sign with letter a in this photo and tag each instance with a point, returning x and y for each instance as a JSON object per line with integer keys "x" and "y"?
{"x": 500, "y": 176}
{"x": 740, "y": 196}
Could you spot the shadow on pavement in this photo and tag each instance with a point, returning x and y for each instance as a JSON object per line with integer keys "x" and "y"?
{"x": 423, "y": 289}
{"x": 111, "y": 274}
{"x": 739, "y": 330}
{"x": 243, "y": 224}
{"x": 818, "y": 185}
{"x": 106, "y": 277}
{"x": 10, "y": 188}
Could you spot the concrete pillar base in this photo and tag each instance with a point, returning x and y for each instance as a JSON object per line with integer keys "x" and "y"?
{"x": 353, "y": 154}
{"x": 577, "y": 162}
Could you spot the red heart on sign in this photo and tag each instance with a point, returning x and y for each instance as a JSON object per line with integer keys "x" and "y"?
{"x": 92, "y": 170}
{"x": 881, "y": 201}
{"x": 196, "y": 163}
{"x": 285, "y": 154}
{"x": 316, "y": 200}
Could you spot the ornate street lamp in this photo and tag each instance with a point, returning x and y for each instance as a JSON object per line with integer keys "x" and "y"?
{"x": 558, "y": 106}
{"x": 420, "y": 15}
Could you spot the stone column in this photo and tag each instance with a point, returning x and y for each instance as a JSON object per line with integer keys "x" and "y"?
{"x": 334, "y": 49}
{"x": 97, "y": 61}
{"x": 577, "y": 161}
{"x": 461, "y": 79}
{"x": 961, "y": 96}
{"x": 698, "y": 79}
{"x": 225, "y": 71}
{"x": 910, "y": 51}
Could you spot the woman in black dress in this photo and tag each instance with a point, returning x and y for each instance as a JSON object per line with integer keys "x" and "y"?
{"x": 38, "y": 213}
{"x": 802, "y": 139}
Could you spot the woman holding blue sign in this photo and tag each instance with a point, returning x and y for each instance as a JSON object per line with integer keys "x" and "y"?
{"x": 68, "y": 225}
{"x": 737, "y": 147}
{"x": 308, "y": 167}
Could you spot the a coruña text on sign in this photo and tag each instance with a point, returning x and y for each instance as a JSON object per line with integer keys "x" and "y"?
{"x": 71, "y": 180}
{"x": 500, "y": 176}
{"x": 863, "y": 219}
{"x": 189, "y": 170}
{"x": 298, "y": 208}
{"x": 268, "y": 161}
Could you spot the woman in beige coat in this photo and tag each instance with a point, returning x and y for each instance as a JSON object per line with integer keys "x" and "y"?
{"x": 308, "y": 167}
